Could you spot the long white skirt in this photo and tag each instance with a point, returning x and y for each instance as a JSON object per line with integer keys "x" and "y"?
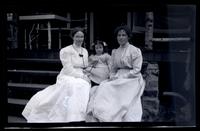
{"x": 99, "y": 73}
{"x": 116, "y": 101}
{"x": 65, "y": 101}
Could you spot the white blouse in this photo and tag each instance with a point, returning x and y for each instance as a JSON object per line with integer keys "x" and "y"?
{"x": 128, "y": 58}
{"x": 72, "y": 62}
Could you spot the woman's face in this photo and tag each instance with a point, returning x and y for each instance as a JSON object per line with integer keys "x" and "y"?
{"x": 78, "y": 38}
{"x": 122, "y": 37}
{"x": 99, "y": 49}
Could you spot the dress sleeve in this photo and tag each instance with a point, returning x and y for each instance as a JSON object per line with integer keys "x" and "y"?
{"x": 108, "y": 59}
{"x": 68, "y": 68}
{"x": 136, "y": 59}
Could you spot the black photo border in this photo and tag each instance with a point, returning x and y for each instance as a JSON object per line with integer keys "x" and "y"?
{"x": 82, "y": 5}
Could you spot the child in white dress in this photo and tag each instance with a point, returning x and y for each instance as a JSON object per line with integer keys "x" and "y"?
{"x": 99, "y": 63}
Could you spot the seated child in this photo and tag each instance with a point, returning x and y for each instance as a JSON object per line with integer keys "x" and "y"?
{"x": 99, "y": 63}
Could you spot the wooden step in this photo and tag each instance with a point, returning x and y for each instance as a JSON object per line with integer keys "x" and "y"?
{"x": 24, "y": 90}
{"x": 28, "y": 85}
{"x": 35, "y": 60}
{"x": 16, "y": 119}
{"x": 17, "y": 101}
{"x": 34, "y": 72}
{"x": 41, "y": 53}
{"x": 16, "y": 106}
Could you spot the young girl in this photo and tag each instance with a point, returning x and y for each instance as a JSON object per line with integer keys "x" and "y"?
{"x": 99, "y": 62}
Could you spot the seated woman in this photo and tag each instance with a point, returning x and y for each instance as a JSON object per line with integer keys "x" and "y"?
{"x": 118, "y": 99}
{"x": 99, "y": 62}
{"x": 67, "y": 99}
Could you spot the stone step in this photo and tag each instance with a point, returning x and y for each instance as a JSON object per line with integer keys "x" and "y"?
{"x": 151, "y": 93}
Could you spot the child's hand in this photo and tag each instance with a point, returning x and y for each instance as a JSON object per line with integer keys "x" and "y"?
{"x": 86, "y": 72}
{"x": 112, "y": 78}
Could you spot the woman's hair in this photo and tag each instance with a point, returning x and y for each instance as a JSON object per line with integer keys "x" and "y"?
{"x": 76, "y": 29}
{"x": 125, "y": 28}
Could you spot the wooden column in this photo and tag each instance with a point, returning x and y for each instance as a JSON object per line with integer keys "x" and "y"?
{"x": 85, "y": 27}
{"x": 133, "y": 21}
{"x": 129, "y": 19}
{"x": 91, "y": 29}
{"x": 149, "y": 31}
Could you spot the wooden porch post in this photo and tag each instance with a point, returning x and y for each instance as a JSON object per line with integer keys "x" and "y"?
{"x": 149, "y": 31}
{"x": 91, "y": 29}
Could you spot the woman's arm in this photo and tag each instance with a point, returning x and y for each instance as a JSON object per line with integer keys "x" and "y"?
{"x": 108, "y": 59}
{"x": 112, "y": 66}
{"x": 68, "y": 68}
{"x": 93, "y": 60}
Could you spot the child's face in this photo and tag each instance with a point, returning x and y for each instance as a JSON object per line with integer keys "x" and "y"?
{"x": 99, "y": 49}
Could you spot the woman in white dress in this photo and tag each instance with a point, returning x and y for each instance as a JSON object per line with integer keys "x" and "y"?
{"x": 119, "y": 98}
{"x": 99, "y": 63}
{"x": 67, "y": 99}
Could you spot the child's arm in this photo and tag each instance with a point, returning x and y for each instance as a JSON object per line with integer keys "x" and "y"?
{"x": 93, "y": 59}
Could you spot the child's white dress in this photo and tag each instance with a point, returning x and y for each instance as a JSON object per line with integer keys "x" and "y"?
{"x": 99, "y": 67}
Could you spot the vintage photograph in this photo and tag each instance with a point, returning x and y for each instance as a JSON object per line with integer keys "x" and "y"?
{"x": 115, "y": 64}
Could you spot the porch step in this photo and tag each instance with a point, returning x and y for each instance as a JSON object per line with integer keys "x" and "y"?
{"x": 16, "y": 119}
{"x": 17, "y": 101}
{"x": 28, "y": 85}
{"x": 34, "y": 72}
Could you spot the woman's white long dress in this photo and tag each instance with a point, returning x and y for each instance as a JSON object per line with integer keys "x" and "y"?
{"x": 67, "y": 99}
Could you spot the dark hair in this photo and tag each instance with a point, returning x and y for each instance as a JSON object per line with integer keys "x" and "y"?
{"x": 125, "y": 28}
{"x": 76, "y": 29}
{"x": 101, "y": 43}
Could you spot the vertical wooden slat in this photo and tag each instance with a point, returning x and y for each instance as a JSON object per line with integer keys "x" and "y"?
{"x": 59, "y": 38}
{"x": 25, "y": 39}
{"x": 69, "y": 18}
{"x": 49, "y": 34}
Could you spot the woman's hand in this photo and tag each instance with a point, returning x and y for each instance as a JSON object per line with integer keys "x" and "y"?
{"x": 86, "y": 78}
